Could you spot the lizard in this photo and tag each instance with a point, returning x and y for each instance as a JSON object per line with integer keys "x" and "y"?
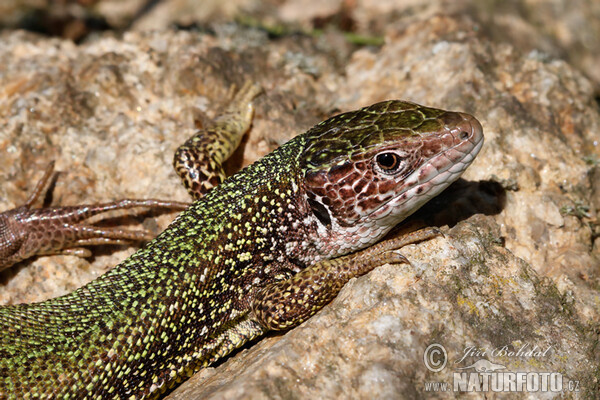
{"x": 26, "y": 231}
{"x": 263, "y": 250}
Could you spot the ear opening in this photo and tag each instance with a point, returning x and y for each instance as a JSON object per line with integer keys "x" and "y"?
{"x": 320, "y": 212}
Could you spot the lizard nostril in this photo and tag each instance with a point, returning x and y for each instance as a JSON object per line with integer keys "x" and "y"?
{"x": 463, "y": 135}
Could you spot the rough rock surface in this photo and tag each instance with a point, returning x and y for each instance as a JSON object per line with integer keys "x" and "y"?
{"x": 519, "y": 265}
{"x": 567, "y": 29}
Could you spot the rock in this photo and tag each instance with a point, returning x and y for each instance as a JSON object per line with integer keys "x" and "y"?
{"x": 517, "y": 270}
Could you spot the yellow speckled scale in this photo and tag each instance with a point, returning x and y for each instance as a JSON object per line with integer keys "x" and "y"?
{"x": 265, "y": 249}
{"x": 199, "y": 161}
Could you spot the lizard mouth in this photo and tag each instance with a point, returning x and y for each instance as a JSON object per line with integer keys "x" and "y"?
{"x": 449, "y": 164}
{"x": 437, "y": 173}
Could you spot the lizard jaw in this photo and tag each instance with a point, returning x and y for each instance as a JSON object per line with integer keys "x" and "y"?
{"x": 440, "y": 158}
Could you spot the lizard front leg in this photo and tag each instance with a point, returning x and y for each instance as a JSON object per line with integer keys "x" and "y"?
{"x": 284, "y": 304}
{"x": 199, "y": 161}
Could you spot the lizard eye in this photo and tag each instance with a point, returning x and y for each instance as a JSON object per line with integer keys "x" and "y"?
{"x": 388, "y": 162}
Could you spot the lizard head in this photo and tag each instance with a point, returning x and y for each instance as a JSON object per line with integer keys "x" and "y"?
{"x": 367, "y": 170}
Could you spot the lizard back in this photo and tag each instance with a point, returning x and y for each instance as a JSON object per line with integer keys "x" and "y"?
{"x": 264, "y": 250}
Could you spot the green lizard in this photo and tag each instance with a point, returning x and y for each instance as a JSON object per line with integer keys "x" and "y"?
{"x": 264, "y": 250}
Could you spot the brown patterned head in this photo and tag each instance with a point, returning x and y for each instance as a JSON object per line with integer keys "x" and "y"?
{"x": 367, "y": 170}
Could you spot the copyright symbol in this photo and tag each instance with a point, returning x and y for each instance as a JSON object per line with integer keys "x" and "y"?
{"x": 435, "y": 357}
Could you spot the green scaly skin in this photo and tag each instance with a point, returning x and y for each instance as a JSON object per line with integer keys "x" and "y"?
{"x": 264, "y": 250}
